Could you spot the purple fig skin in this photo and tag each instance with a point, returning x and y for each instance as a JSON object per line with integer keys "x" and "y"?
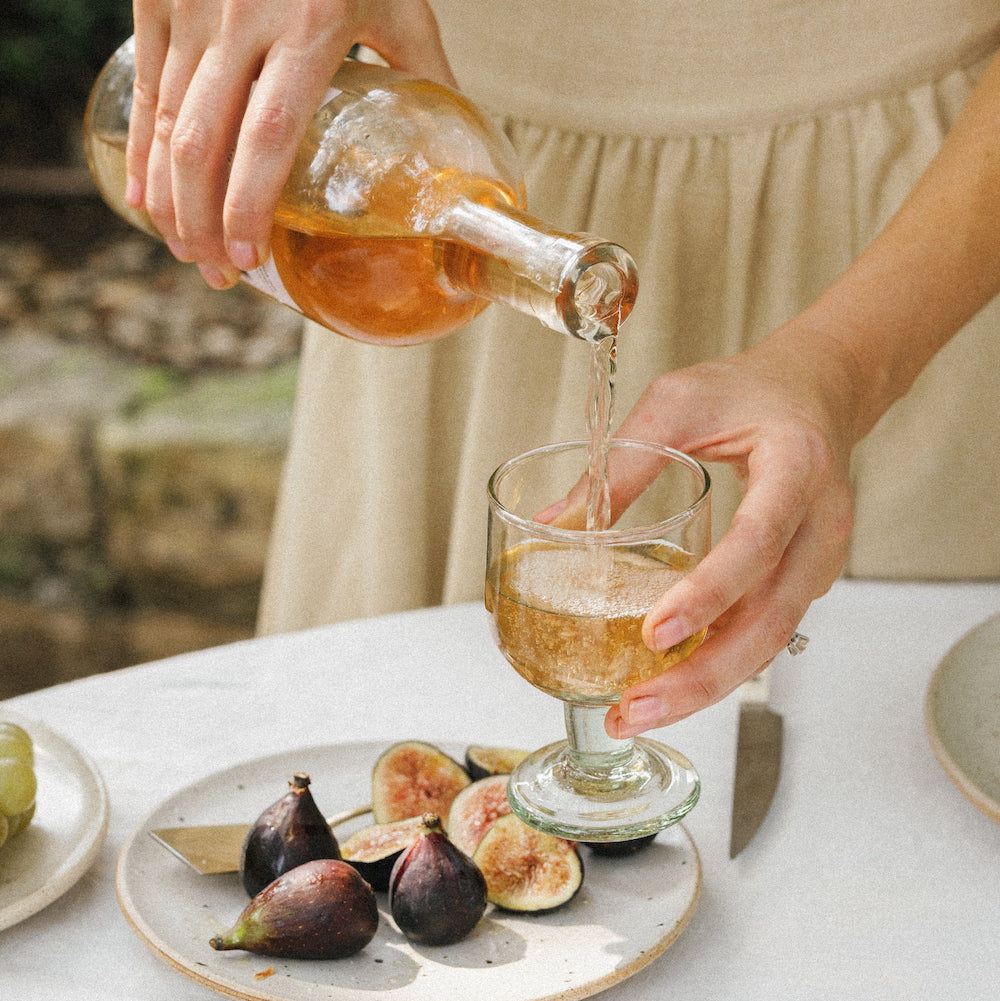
{"x": 436, "y": 892}
{"x": 287, "y": 834}
{"x": 320, "y": 910}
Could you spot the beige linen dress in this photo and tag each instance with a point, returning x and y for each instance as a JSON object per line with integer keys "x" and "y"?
{"x": 744, "y": 151}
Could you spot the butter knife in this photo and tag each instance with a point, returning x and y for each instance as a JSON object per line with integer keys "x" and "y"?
{"x": 216, "y": 848}
{"x": 758, "y": 761}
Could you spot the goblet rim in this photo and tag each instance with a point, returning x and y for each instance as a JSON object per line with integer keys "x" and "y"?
{"x": 608, "y": 536}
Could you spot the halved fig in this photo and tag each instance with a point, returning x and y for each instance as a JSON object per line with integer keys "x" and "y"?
{"x": 412, "y": 778}
{"x": 374, "y": 849}
{"x": 481, "y": 761}
{"x": 528, "y": 870}
{"x": 474, "y": 811}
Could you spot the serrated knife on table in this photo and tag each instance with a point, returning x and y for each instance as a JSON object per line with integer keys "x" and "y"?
{"x": 758, "y": 760}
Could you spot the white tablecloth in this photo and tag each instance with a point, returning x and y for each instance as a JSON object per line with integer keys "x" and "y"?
{"x": 872, "y": 876}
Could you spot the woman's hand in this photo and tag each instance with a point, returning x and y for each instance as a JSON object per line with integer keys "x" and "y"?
{"x": 206, "y": 157}
{"x": 780, "y": 415}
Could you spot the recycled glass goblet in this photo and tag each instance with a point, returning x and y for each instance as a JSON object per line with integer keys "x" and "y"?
{"x": 566, "y": 608}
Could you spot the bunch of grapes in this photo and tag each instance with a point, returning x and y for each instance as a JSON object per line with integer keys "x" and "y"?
{"x": 17, "y": 780}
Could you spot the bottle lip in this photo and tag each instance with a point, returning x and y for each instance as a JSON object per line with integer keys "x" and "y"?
{"x": 598, "y": 290}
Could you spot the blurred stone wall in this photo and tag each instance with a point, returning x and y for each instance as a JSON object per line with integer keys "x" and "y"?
{"x": 143, "y": 424}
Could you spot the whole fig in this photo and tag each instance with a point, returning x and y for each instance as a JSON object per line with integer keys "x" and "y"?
{"x": 319, "y": 910}
{"x": 436, "y": 892}
{"x": 288, "y": 833}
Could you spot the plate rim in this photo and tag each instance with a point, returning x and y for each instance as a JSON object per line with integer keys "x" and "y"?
{"x": 85, "y": 850}
{"x": 575, "y": 993}
{"x": 979, "y": 798}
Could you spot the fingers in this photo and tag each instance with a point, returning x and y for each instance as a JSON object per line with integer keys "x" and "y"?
{"x": 184, "y": 119}
{"x": 189, "y": 173}
{"x": 409, "y": 40}
{"x": 224, "y": 92}
{"x": 747, "y": 635}
{"x": 151, "y": 43}
{"x": 793, "y": 481}
{"x": 630, "y": 472}
{"x": 771, "y": 512}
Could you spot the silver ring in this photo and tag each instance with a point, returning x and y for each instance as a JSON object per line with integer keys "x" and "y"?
{"x": 797, "y": 644}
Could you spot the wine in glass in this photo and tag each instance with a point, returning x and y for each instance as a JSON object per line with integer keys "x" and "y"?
{"x": 567, "y": 607}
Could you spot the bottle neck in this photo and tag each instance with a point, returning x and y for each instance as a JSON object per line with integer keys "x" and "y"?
{"x": 582, "y": 286}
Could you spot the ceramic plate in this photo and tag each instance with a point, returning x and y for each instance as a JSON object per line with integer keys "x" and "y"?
{"x": 963, "y": 716}
{"x": 66, "y": 833}
{"x": 627, "y": 912}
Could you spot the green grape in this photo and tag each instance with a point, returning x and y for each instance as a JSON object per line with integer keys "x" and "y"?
{"x": 17, "y": 786}
{"x": 21, "y": 821}
{"x": 15, "y": 743}
{"x": 6, "y": 726}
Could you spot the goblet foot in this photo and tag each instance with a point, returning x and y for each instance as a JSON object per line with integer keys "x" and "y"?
{"x": 634, "y": 790}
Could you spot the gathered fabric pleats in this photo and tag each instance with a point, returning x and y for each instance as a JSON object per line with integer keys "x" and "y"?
{"x": 740, "y": 204}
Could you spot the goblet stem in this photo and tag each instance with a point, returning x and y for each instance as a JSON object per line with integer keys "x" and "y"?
{"x": 592, "y": 787}
{"x": 597, "y": 759}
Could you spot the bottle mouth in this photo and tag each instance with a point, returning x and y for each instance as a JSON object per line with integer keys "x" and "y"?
{"x": 598, "y": 292}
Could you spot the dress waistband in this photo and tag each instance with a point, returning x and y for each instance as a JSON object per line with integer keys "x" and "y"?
{"x": 657, "y": 67}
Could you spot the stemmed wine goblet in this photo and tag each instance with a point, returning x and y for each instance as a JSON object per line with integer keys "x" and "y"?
{"x": 566, "y": 607}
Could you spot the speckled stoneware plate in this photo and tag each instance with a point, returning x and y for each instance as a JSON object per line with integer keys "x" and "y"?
{"x": 627, "y": 912}
{"x": 66, "y": 833}
{"x": 963, "y": 716}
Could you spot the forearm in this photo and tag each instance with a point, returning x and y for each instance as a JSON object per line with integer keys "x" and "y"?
{"x": 932, "y": 268}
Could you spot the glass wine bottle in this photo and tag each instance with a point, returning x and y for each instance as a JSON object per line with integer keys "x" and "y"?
{"x": 403, "y": 216}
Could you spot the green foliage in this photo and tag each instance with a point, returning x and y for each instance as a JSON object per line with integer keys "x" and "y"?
{"x": 50, "y": 53}
{"x": 48, "y": 46}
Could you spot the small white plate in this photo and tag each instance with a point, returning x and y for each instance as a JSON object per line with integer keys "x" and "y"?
{"x": 627, "y": 912}
{"x": 963, "y": 716}
{"x": 66, "y": 833}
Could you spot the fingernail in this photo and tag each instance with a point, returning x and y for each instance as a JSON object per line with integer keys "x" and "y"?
{"x": 178, "y": 249}
{"x": 244, "y": 255}
{"x": 133, "y": 192}
{"x": 647, "y": 709}
{"x": 669, "y": 632}
{"x": 213, "y": 277}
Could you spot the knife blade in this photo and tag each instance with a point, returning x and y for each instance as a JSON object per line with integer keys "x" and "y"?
{"x": 758, "y": 761}
{"x": 215, "y": 848}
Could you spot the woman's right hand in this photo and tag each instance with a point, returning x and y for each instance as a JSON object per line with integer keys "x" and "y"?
{"x": 207, "y": 158}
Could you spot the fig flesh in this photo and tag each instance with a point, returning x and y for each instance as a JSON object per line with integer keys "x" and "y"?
{"x": 374, "y": 849}
{"x": 289, "y": 832}
{"x": 481, "y": 761}
{"x": 319, "y": 910}
{"x": 436, "y": 893}
{"x": 474, "y": 811}
{"x": 412, "y": 778}
{"x": 528, "y": 870}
